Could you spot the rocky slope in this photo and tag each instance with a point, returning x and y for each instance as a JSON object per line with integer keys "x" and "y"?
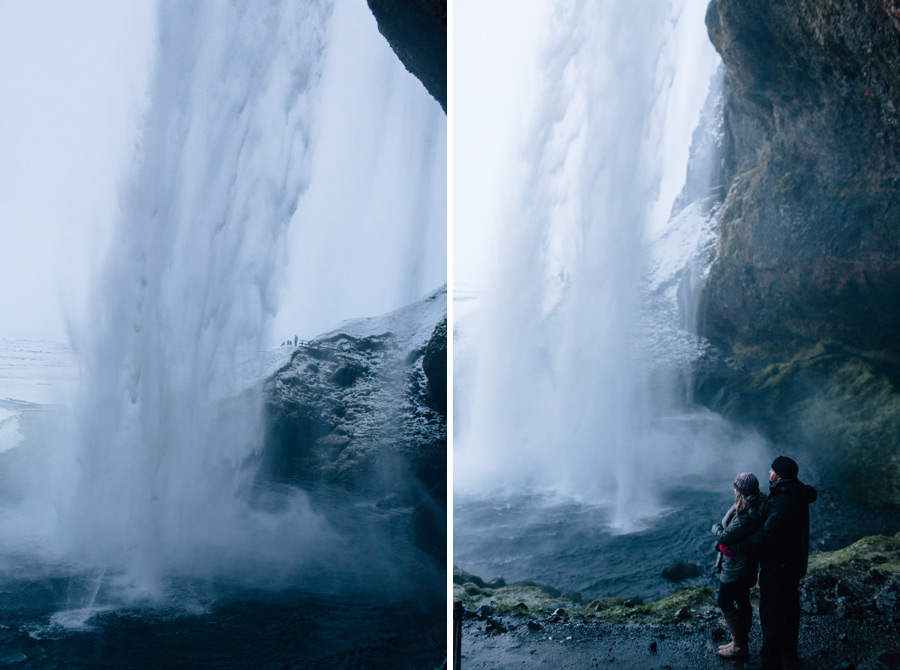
{"x": 803, "y": 298}
{"x": 354, "y": 408}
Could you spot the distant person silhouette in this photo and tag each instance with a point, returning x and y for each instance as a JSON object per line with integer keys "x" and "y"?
{"x": 782, "y": 545}
{"x": 737, "y": 571}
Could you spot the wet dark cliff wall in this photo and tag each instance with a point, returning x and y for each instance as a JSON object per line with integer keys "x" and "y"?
{"x": 417, "y": 32}
{"x": 357, "y": 411}
{"x": 803, "y": 298}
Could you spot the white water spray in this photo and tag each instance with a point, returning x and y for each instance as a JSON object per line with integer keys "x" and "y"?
{"x": 156, "y": 483}
{"x": 564, "y": 397}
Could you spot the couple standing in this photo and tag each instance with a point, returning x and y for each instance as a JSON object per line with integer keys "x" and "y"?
{"x": 771, "y": 534}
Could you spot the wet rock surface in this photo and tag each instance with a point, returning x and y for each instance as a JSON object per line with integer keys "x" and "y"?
{"x": 801, "y": 300}
{"x": 353, "y": 408}
{"x": 839, "y": 407}
{"x": 434, "y": 364}
{"x": 809, "y": 244}
{"x": 678, "y": 571}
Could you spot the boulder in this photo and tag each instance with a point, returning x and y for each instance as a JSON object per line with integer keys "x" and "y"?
{"x": 679, "y": 571}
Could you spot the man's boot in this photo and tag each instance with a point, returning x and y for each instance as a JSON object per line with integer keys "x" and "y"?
{"x": 738, "y": 647}
{"x": 747, "y": 621}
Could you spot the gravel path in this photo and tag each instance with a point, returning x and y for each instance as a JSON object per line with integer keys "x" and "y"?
{"x": 827, "y": 642}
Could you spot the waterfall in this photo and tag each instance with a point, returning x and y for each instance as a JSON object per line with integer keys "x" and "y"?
{"x": 191, "y": 281}
{"x": 574, "y": 386}
{"x": 155, "y": 482}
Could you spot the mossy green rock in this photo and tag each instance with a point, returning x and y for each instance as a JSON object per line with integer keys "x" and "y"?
{"x": 462, "y": 577}
{"x": 510, "y": 599}
{"x": 842, "y": 406}
{"x": 600, "y": 604}
{"x": 471, "y": 589}
{"x": 881, "y": 550}
{"x": 684, "y": 600}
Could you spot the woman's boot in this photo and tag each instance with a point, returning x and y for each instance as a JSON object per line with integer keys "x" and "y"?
{"x": 739, "y": 645}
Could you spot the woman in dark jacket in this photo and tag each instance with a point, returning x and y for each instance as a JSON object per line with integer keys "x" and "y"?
{"x": 738, "y": 571}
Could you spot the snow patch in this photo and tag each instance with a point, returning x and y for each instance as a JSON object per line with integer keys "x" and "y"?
{"x": 412, "y": 324}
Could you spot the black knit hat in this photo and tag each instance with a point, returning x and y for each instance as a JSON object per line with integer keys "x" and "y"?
{"x": 785, "y": 467}
{"x": 746, "y": 484}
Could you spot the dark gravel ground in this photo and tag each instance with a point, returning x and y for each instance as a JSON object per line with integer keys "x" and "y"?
{"x": 850, "y": 621}
{"x": 827, "y": 642}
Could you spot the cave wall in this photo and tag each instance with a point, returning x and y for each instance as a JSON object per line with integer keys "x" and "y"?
{"x": 802, "y": 301}
{"x": 810, "y": 227}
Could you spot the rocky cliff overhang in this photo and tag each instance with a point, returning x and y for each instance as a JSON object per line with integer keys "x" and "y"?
{"x": 417, "y": 32}
{"x": 809, "y": 230}
{"x": 802, "y": 300}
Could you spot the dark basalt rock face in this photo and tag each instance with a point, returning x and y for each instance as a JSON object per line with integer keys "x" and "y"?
{"x": 417, "y": 32}
{"x": 802, "y": 301}
{"x": 810, "y": 227}
{"x": 356, "y": 413}
{"x": 434, "y": 364}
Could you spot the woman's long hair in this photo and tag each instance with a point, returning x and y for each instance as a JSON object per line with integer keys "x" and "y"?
{"x": 740, "y": 502}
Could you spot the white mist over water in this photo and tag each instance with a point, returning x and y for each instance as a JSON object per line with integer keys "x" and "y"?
{"x": 564, "y": 395}
{"x": 253, "y": 109}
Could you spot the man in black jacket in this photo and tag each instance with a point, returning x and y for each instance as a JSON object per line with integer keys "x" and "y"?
{"x": 782, "y": 545}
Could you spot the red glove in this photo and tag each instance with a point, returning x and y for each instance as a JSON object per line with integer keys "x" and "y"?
{"x": 725, "y": 550}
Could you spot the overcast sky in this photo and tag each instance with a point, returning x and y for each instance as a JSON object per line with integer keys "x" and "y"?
{"x": 73, "y": 79}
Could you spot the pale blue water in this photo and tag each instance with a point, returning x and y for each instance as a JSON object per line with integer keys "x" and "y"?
{"x": 572, "y": 545}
